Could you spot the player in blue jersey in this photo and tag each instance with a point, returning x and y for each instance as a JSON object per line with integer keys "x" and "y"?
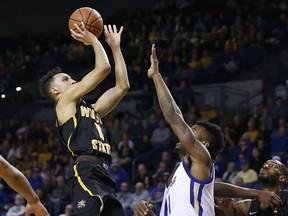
{"x": 190, "y": 190}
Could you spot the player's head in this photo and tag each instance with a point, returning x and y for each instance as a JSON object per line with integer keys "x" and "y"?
{"x": 211, "y": 136}
{"x": 273, "y": 173}
{"x": 54, "y": 83}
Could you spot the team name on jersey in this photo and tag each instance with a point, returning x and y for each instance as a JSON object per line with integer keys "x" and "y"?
{"x": 90, "y": 113}
{"x": 100, "y": 146}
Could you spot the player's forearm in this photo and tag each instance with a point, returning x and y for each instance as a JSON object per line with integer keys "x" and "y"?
{"x": 101, "y": 70}
{"x": 121, "y": 76}
{"x": 166, "y": 101}
{"x": 226, "y": 190}
{"x": 101, "y": 58}
{"x": 18, "y": 182}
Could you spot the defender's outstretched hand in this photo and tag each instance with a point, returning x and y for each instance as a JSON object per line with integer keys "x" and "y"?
{"x": 154, "y": 63}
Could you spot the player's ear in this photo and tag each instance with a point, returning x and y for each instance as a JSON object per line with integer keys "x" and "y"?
{"x": 206, "y": 143}
{"x": 54, "y": 90}
{"x": 282, "y": 178}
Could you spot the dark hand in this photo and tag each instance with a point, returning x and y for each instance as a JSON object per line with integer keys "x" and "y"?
{"x": 269, "y": 199}
{"x": 154, "y": 63}
{"x": 143, "y": 208}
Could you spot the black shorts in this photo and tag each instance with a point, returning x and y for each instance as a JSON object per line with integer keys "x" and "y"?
{"x": 98, "y": 207}
{"x": 93, "y": 190}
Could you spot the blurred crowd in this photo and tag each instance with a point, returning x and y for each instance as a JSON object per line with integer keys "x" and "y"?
{"x": 212, "y": 41}
{"x": 142, "y": 152}
{"x": 199, "y": 42}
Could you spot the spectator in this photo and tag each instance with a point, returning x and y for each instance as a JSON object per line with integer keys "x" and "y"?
{"x": 156, "y": 195}
{"x": 18, "y": 209}
{"x": 116, "y": 132}
{"x": 254, "y": 116}
{"x": 161, "y": 135}
{"x": 264, "y": 149}
{"x": 243, "y": 147}
{"x": 36, "y": 179}
{"x": 279, "y": 144}
{"x": 280, "y": 111}
{"x": 229, "y": 173}
{"x": 126, "y": 141}
{"x": 230, "y": 141}
{"x": 252, "y": 133}
{"x": 125, "y": 197}
{"x": 118, "y": 173}
{"x": 249, "y": 175}
{"x": 237, "y": 127}
{"x": 166, "y": 158}
{"x": 257, "y": 160}
{"x": 125, "y": 158}
{"x": 140, "y": 194}
{"x": 141, "y": 174}
{"x": 159, "y": 173}
{"x": 135, "y": 131}
{"x": 68, "y": 210}
{"x": 4, "y": 197}
{"x": 60, "y": 195}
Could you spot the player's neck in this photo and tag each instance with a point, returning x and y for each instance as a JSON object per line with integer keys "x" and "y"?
{"x": 276, "y": 189}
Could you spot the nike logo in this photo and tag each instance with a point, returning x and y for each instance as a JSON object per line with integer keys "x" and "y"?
{"x": 252, "y": 213}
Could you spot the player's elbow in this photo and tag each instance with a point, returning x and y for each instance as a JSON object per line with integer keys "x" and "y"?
{"x": 126, "y": 88}
{"x": 12, "y": 175}
{"x": 106, "y": 68}
{"x": 123, "y": 89}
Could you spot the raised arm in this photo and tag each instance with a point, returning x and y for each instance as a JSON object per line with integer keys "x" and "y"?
{"x": 19, "y": 183}
{"x": 112, "y": 96}
{"x": 226, "y": 190}
{"x": 174, "y": 116}
{"x": 94, "y": 77}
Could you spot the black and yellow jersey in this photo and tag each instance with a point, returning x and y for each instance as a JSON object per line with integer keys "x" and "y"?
{"x": 84, "y": 134}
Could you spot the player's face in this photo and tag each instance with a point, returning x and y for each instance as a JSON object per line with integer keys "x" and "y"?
{"x": 62, "y": 82}
{"x": 270, "y": 171}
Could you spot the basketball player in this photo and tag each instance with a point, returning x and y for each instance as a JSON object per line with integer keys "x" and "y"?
{"x": 191, "y": 188}
{"x": 80, "y": 127}
{"x": 19, "y": 183}
{"x": 266, "y": 198}
{"x": 272, "y": 176}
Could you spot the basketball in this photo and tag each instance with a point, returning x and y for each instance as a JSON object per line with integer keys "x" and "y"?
{"x": 90, "y": 17}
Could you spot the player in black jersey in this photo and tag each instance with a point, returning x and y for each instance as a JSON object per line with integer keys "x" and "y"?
{"x": 80, "y": 127}
{"x": 272, "y": 176}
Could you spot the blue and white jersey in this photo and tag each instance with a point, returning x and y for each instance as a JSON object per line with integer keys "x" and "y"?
{"x": 188, "y": 196}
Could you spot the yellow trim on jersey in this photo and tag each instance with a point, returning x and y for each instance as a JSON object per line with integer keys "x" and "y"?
{"x": 196, "y": 192}
{"x": 68, "y": 142}
{"x": 80, "y": 181}
{"x": 85, "y": 188}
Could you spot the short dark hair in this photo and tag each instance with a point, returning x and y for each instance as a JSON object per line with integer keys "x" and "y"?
{"x": 46, "y": 80}
{"x": 283, "y": 169}
{"x": 215, "y": 137}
